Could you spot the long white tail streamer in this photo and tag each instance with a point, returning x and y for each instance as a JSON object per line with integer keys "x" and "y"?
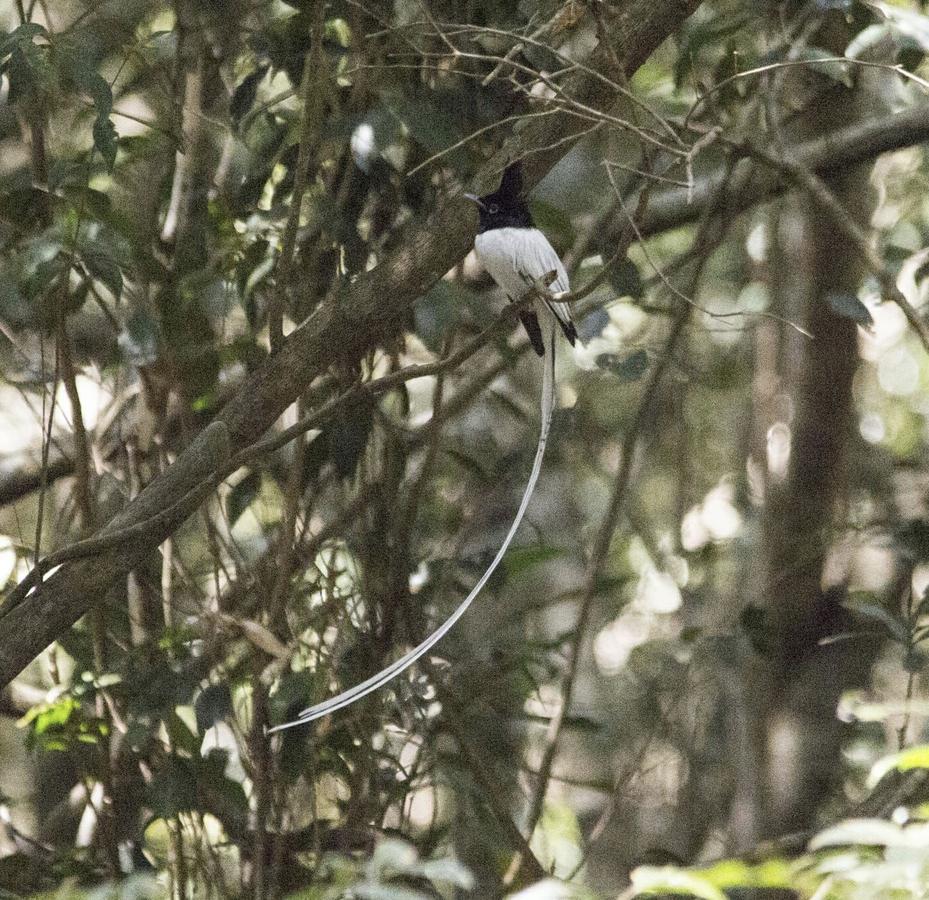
{"x": 375, "y": 682}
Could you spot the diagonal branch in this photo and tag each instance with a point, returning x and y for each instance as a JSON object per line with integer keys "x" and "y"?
{"x": 361, "y": 315}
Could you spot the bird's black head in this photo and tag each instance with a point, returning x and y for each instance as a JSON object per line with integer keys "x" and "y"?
{"x": 505, "y": 207}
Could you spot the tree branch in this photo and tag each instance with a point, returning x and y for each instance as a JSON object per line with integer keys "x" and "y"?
{"x": 362, "y": 314}
{"x": 750, "y": 183}
{"x": 21, "y": 473}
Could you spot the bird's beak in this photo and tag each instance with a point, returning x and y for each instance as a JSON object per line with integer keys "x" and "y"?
{"x": 474, "y": 199}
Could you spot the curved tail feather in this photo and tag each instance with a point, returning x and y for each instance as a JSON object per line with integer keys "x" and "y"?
{"x": 375, "y": 682}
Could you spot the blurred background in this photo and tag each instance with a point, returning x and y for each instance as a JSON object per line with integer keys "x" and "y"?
{"x": 706, "y": 645}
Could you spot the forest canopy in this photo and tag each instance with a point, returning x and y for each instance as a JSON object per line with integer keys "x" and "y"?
{"x": 265, "y": 420}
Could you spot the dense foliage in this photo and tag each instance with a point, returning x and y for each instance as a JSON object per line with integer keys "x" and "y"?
{"x": 700, "y": 672}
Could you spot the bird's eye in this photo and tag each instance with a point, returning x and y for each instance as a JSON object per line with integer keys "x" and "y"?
{"x": 493, "y": 208}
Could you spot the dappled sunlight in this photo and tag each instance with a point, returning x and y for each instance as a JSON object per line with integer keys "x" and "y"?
{"x": 243, "y": 659}
{"x": 898, "y": 371}
{"x": 716, "y": 518}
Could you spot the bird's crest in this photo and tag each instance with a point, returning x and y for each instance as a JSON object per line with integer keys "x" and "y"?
{"x": 512, "y": 182}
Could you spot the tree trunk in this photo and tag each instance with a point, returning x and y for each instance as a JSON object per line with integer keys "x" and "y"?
{"x": 790, "y": 735}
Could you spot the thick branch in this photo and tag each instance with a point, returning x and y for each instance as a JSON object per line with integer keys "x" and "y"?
{"x": 30, "y": 626}
{"x": 363, "y": 314}
{"x": 751, "y": 183}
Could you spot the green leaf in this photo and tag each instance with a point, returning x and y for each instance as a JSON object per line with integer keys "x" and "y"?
{"x": 447, "y": 871}
{"x": 520, "y": 559}
{"x": 339, "y": 31}
{"x": 909, "y": 27}
{"x": 848, "y": 306}
{"x": 896, "y": 628}
{"x": 61, "y": 725}
{"x": 672, "y": 880}
{"x": 859, "y": 706}
{"x": 626, "y": 368}
{"x": 734, "y": 873}
{"x": 77, "y": 68}
{"x": 213, "y": 704}
{"x": 254, "y": 265}
{"x": 217, "y": 789}
{"x": 29, "y": 72}
{"x": 293, "y": 689}
{"x": 173, "y": 789}
{"x": 445, "y": 305}
{"x": 24, "y": 34}
{"x": 181, "y": 735}
{"x": 906, "y": 760}
{"x": 242, "y": 496}
{"x": 138, "y": 341}
{"x": 856, "y": 832}
{"x": 626, "y": 279}
{"x": 315, "y": 456}
{"x": 869, "y": 39}
{"x": 555, "y": 222}
{"x": 104, "y": 268}
{"x": 348, "y": 435}
{"x": 46, "y": 274}
{"x": 105, "y": 138}
{"x": 14, "y": 309}
{"x": 22, "y": 76}
{"x": 46, "y": 716}
{"x": 243, "y": 97}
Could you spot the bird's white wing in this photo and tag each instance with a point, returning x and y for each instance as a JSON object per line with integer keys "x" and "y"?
{"x": 516, "y": 256}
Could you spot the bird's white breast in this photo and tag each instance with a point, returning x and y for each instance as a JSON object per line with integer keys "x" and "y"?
{"x": 514, "y": 257}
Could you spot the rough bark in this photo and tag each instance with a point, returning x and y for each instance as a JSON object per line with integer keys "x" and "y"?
{"x": 360, "y": 315}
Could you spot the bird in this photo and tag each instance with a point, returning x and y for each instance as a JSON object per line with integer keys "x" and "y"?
{"x": 517, "y": 256}
{"x": 520, "y": 259}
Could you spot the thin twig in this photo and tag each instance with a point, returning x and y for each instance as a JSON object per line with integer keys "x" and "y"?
{"x": 792, "y": 63}
{"x": 824, "y": 197}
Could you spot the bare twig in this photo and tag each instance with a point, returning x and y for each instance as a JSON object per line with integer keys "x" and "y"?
{"x": 827, "y": 201}
{"x": 895, "y": 69}
{"x": 747, "y": 186}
